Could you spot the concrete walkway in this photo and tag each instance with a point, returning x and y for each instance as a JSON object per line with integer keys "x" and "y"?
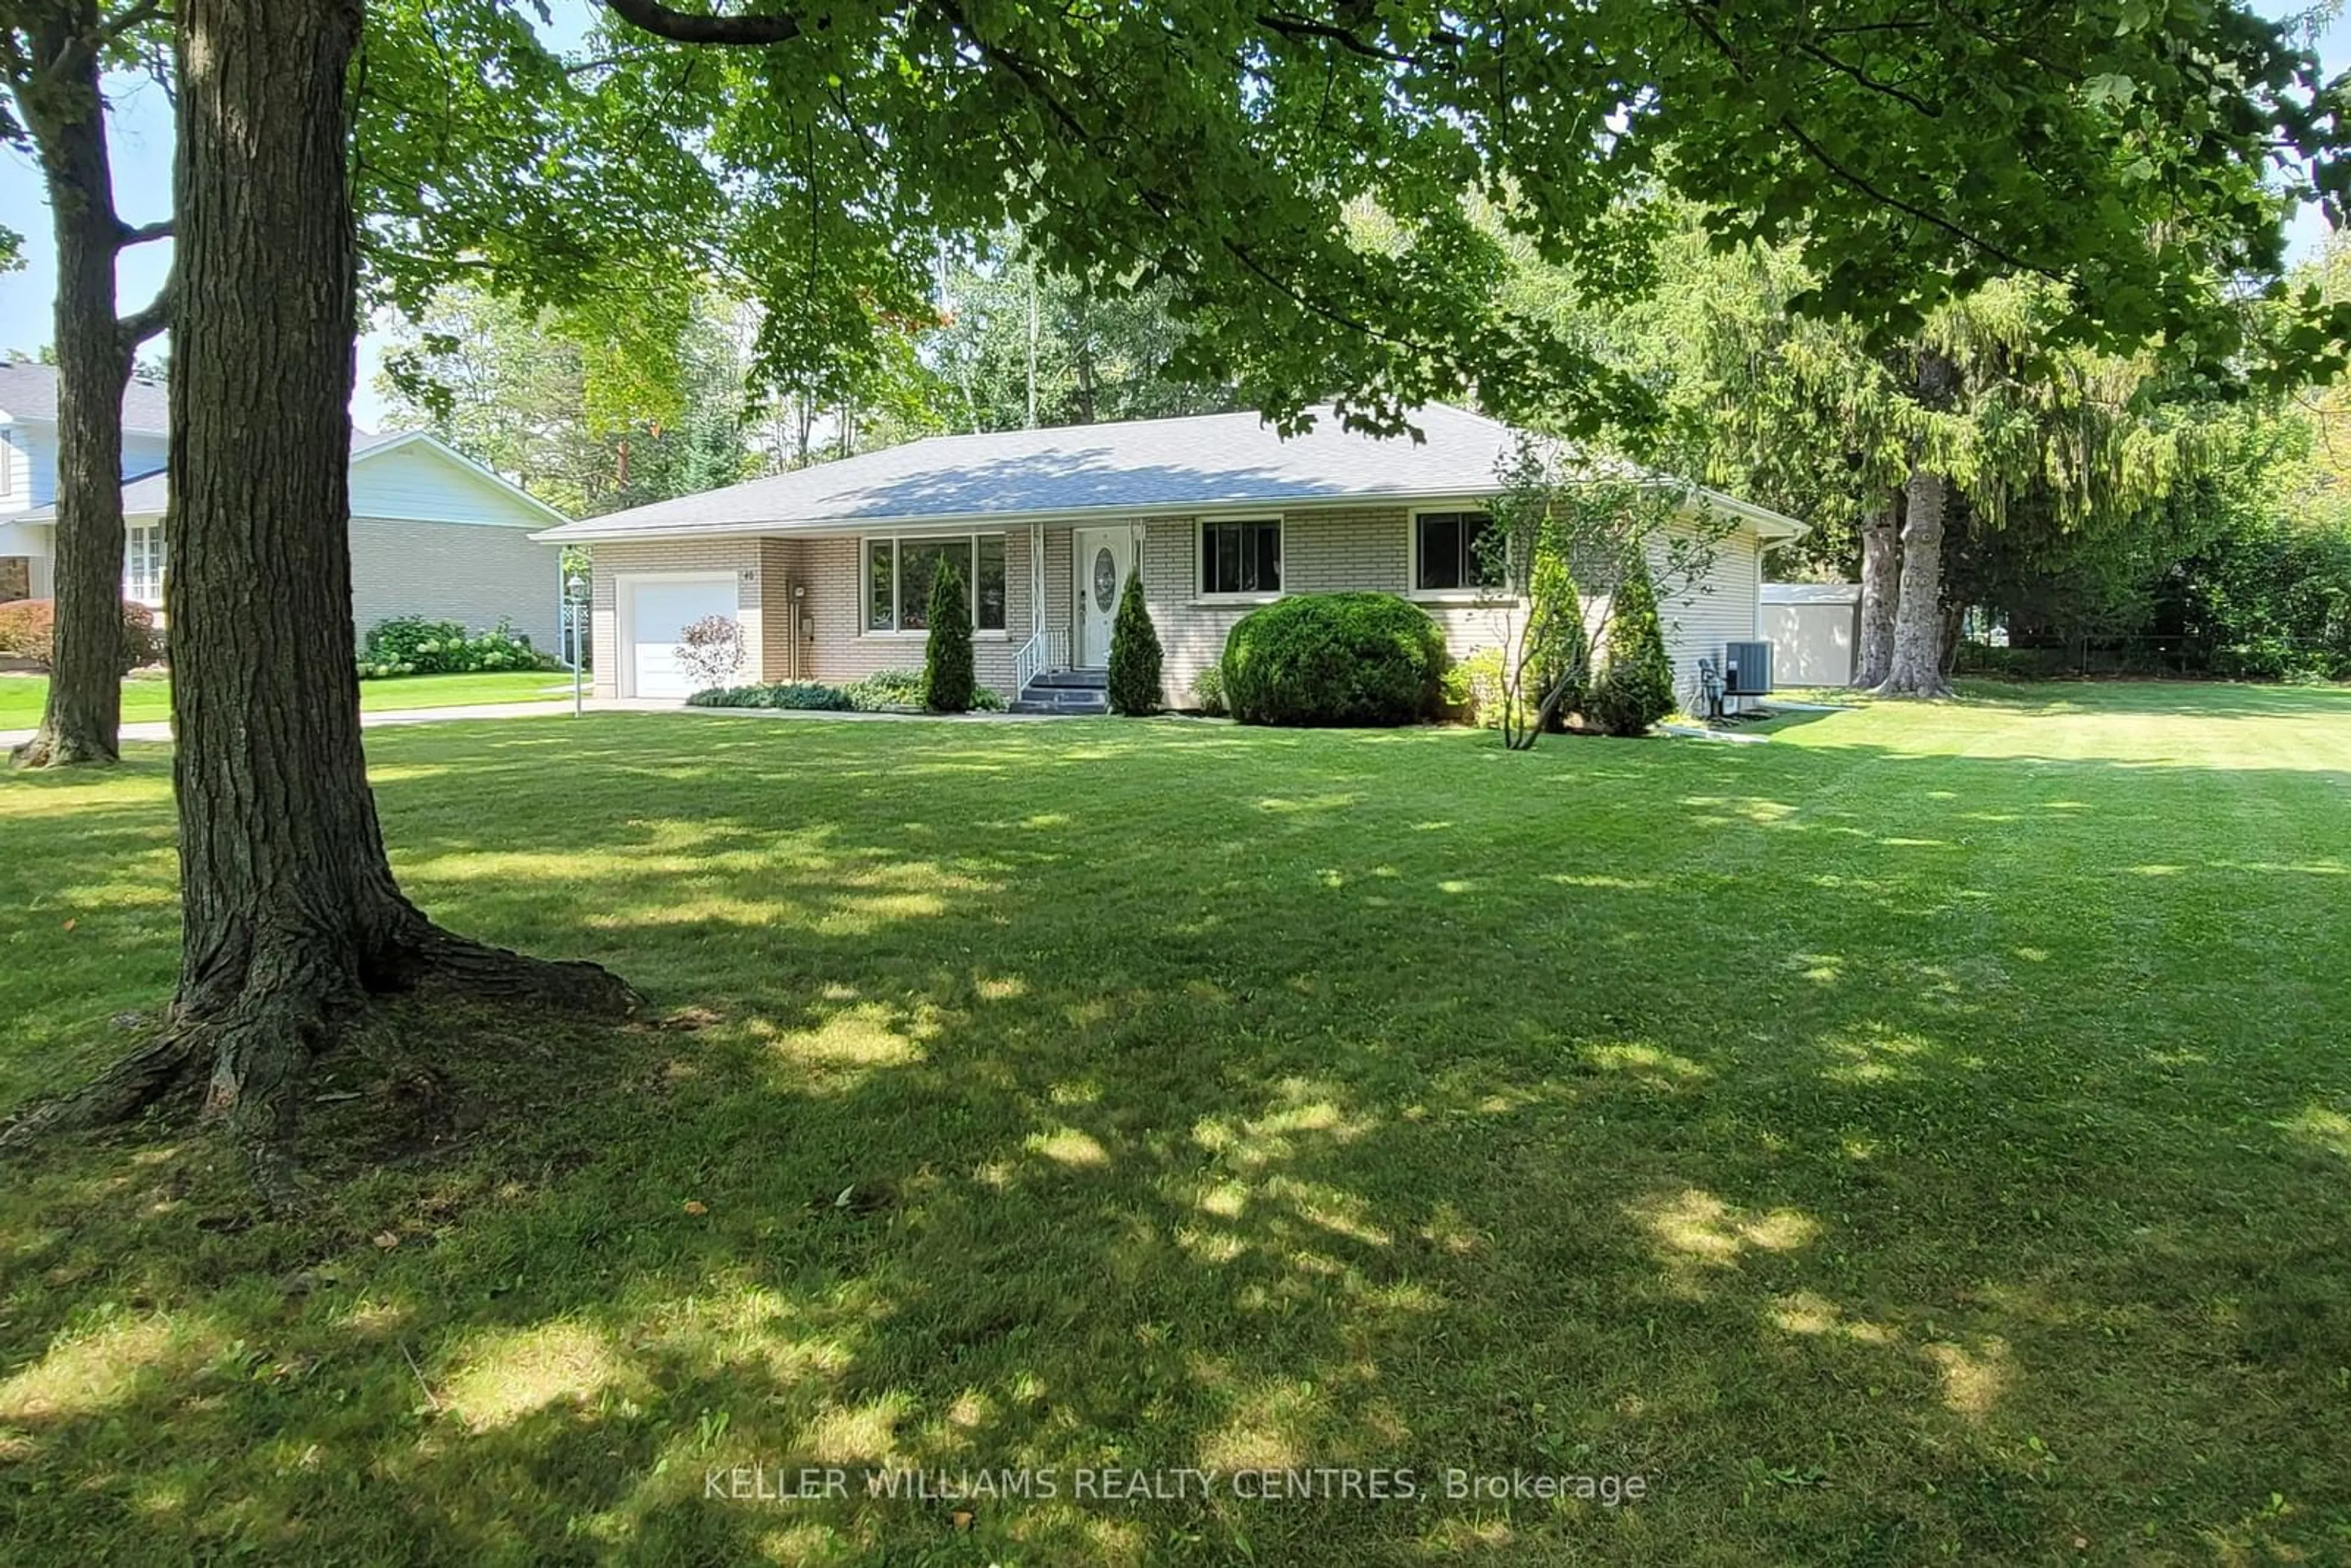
{"x": 159, "y": 730}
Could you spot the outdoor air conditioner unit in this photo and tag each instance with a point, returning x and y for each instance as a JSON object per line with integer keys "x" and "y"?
{"x": 1746, "y": 669}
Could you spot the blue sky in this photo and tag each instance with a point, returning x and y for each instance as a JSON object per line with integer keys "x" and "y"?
{"x": 140, "y": 134}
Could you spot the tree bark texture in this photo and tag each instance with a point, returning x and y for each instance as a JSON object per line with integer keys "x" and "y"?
{"x": 82, "y": 720}
{"x": 1917, "y": 668}
{"x": 1881, "y": 589}
{"x": 291, "y": 916}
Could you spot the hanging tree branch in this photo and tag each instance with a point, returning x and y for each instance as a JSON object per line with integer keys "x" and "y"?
{"x": 694, "y": 28}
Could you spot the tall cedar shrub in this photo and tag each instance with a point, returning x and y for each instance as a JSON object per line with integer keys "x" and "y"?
{"x": 1335, "y": 659}
{"x": 1135, "y": 655}
{"x": 1562, "y": 654}
{"x": 1636, "y": 688}
{"x": 947, "y": 679}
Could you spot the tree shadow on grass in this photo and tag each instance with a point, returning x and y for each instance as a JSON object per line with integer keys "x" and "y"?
{"x": 1889, "y": 1158}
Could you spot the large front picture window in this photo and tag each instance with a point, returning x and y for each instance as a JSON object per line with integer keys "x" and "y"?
{"x": 1240, "y": 558}
{"x": 900, "y": 573}
{"x": 1452, "y": 552}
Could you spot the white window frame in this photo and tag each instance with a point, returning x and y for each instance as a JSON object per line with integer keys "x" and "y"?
{"x": 11, "y": 467}
{"x": 132, "y": 545}
{"x": 865, "y": 544}
{"x": 1500, "y": 594}
{"x": 1200, "y": 525}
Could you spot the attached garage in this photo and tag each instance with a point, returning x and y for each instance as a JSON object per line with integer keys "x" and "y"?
{"x": 655, "y": 611}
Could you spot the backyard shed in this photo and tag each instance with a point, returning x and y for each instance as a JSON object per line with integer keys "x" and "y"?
{"x": 1813, "y": 628}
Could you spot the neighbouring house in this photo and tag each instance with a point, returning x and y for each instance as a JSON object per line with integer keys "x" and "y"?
{"x": 433, "y": 532}
{"x": 827, "y": 568}
{"x": 1815, "y": 630}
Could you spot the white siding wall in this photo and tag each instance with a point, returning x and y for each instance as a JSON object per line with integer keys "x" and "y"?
{"x": 15, "y": 470}
{"x": 143, "y": 454}
{"x": 37, "y": 445}
{"x": 28, "y": 470}
{"x": 1723, "y": 606}
{"x": 420, "y": 482}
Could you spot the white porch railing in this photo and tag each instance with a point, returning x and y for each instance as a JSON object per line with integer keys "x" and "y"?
{"x": 1029, "y": 663}
{"x": 1036, "y": 655}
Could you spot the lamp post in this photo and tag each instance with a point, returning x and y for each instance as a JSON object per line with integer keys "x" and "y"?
{"x": 575, "y": 597}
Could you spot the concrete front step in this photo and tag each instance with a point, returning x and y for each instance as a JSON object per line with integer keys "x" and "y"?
{"x": 1073, "y": 680}
{"x": 1071, "y": 705}
{"x": 1072, "y": 692}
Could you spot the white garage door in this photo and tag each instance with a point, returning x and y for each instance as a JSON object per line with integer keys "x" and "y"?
{"x": 658, "y": 612}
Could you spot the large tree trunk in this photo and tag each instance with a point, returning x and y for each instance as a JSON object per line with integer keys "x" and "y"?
{"x": 1881, "y": 589}
{"x": 83, "y": 719}
{"x": 1917, "y": 669}
{"x": 292, "y": 919}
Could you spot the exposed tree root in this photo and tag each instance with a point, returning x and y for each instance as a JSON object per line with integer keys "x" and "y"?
{"x": 251, "y": 1045}
{"x": 52, "y": 747}
{"x": 1931, "y": 686}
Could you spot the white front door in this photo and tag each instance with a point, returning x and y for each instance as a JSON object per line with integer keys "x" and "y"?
{"x": 1102, "y": 558}
{"x": 655, "y": 610}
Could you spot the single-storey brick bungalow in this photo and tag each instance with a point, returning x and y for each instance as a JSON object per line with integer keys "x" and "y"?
{"x": 827, "y": 568}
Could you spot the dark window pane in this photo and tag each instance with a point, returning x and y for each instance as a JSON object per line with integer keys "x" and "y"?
{"x": 988, "y": 588}
{"x": 1440, "y": 550}
{"x": 1482, "y": 560}
{"x": 878, "y": 615}
{"x": 918, "y": 568}
{"x": 1240, "y": 558}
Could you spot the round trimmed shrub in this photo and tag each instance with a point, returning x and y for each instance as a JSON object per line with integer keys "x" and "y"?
{"x": 1335, "y": 659}
{"x": 29, "y": 632}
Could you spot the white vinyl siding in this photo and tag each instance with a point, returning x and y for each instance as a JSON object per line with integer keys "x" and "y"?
{"x": 1725, "y": 606}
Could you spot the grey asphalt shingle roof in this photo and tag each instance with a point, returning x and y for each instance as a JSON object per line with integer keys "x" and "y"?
{"x": 1209, "y": 462}
{"x": 29, "y": 390}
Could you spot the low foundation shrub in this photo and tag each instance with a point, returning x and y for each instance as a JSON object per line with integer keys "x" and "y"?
{"x": 1335, "y": 659}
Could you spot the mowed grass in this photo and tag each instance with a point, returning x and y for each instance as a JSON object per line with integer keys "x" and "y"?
{"x": 147, "y": 696}
{"x": 1924, "y": 1138}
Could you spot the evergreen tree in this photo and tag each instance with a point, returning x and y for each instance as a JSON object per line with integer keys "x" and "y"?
{"x": 1636, "y": 686}
{"x": 1135, "y": 655}
{"x": 947, "y": 680}
{"x": 1562, "y": 652}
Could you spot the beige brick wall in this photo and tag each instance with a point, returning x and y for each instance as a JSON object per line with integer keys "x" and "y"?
{"x": 784, "y": 650}
{"x": 743, "y": 557}
{"x": 1324, "y": 551}
{"x": 454, "y": 571}
{"x": 835, "y": 647}
{"x": 844, "y": 652}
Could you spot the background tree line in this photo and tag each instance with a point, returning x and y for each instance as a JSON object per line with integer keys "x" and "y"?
{"x": 2100, "y": 508}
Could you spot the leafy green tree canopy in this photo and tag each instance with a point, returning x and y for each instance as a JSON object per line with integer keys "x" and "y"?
{"x": 1910, "y": 150}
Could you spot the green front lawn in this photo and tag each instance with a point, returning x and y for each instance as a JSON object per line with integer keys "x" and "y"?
{"x": 1924, "y": 1138}
{"x": 148, "y": 697}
